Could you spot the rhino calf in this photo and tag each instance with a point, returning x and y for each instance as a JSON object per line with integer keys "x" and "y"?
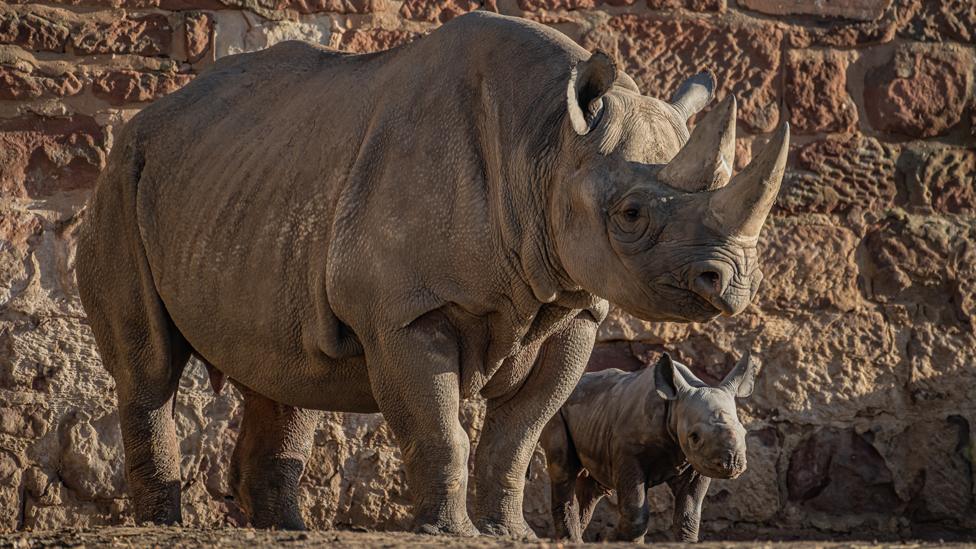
{"x": 628, "y": 431}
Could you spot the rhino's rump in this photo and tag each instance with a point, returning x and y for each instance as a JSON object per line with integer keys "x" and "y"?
{"x": 235, "y": 208}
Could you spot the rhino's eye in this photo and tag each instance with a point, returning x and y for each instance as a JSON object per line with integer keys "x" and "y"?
{"x": 631, "y": 214}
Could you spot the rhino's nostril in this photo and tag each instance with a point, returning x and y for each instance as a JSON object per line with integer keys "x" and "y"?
{"x": 710, "y": 280}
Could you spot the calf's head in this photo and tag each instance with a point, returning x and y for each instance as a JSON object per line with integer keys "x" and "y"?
{"x": 704, "y": 418}
{"x": 649, "y": 217}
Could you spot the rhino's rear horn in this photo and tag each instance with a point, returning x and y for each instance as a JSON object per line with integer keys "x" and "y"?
{"x": 740, "y": 208}
{"x": 693, "y": 94}
{"x": 705, "y": 162}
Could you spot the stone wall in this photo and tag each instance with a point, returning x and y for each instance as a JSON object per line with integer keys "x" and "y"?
{"x": 864, "y": 415}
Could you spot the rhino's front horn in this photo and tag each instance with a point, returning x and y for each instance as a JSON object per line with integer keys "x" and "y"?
{"x": 705, "y": 162}
{"x": 740, "y": 208}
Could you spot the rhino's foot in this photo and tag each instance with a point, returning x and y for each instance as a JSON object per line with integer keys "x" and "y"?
{"x": 464, "y": 529}
{"x": 290, "y": 521}
{"x": 518, "y": 529}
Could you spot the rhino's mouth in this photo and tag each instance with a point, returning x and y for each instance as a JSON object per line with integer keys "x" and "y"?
{"x": 693, "y": 307}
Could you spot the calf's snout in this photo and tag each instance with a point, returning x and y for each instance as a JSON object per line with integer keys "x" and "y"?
{"x": 731, "y": 464}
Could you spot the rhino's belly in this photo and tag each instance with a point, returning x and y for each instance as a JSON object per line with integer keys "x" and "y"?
{"x": 274, "y": 362}
{"x": 252, "y": 315}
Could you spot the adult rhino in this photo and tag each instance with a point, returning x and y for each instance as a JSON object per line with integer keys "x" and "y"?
{"x": 397, "y": 231}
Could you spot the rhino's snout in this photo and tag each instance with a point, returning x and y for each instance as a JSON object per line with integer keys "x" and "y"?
{"x": 712, "y": 281}
{"x": 732, "y": 464}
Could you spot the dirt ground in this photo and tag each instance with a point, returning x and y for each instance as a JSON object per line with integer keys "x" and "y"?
{"x": 243, "y": 537}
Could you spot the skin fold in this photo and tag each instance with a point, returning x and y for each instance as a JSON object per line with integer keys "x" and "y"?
{"x": 627, "y": 432}
{"x": 394, "y": 232}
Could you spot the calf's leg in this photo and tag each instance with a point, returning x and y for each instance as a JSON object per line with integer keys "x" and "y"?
{"x": 563, "y": 467}
{"x": 631, "y": 503}
{"x": 689, "y": 491}
{"x": 589, "y": 493}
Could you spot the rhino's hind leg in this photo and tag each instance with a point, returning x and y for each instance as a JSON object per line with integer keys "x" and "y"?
{"x": 272, "y": 448}
{"x": 145, "y": 354}
{"x": 136, "y": 338}
{"x": 589, "y": 493}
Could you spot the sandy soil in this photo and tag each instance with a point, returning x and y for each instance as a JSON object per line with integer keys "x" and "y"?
{"x": 242, "y": 537}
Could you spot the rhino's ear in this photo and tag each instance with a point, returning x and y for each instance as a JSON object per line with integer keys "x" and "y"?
{"x": 588, "y": 82}
{"x": 742, "y": 379}
{"x": 693, "y": 94}
{"x": 667, "y": 381}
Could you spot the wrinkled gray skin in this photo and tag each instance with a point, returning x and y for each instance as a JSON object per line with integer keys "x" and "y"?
{"x": 630, "y": 431}
{"x": 394, "y": 232}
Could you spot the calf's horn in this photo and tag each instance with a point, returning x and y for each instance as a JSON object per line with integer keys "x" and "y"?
{"x": 740, "y": 208}
{"x": 705, "y": 162}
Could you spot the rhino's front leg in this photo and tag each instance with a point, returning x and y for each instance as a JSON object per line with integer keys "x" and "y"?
{"x": 513, "y": 424}
{"x": 689, "y": 491}
{"x": 631, "y": 502}
{"x": 414, "y": 376}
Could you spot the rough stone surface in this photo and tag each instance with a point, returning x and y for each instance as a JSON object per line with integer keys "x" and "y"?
{"x": 125, "y": 86}
{"x": 939, "y": 20}
{"x": 839, "y": 470}
{"x": 197, "y": 35}
{"x": 943, "y": 179}
{"x": 41, "y": 29}
{"x": 335, "y": 6}
{"x": 442, "y": 11}
{"x": 863, "y": 416}
{"x": 921, "y": 92}
{"x": 369, "y": 40}
{"x": 860, "y": 10}
{"x": 238, "y": 32}
{"x": 811, "y": 264}
{"x": 845, "y": 33}
{"x": 695, "y": 5}
{"x": 816, "y": 92}
{"x": 22, "y": 82}
{"x": 550, "y": 5}
{"x": 44, "y": 156}
{"x": 660, "y": 53}
{"x": 145, "y": 35}
{"x": 839, "y": 174}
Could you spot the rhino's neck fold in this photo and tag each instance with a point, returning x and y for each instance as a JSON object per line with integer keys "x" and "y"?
{"x": 671, "y": 421}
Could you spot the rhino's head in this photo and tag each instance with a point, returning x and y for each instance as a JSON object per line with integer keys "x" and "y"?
{"x": 648, "y": 217}
{"x": 704, "y": 418}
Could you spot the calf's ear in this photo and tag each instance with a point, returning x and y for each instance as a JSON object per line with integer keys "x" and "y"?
{"x": 667, "y": 381}
{"x": 742, "y": 379}
{"x": 589, "y": 81}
